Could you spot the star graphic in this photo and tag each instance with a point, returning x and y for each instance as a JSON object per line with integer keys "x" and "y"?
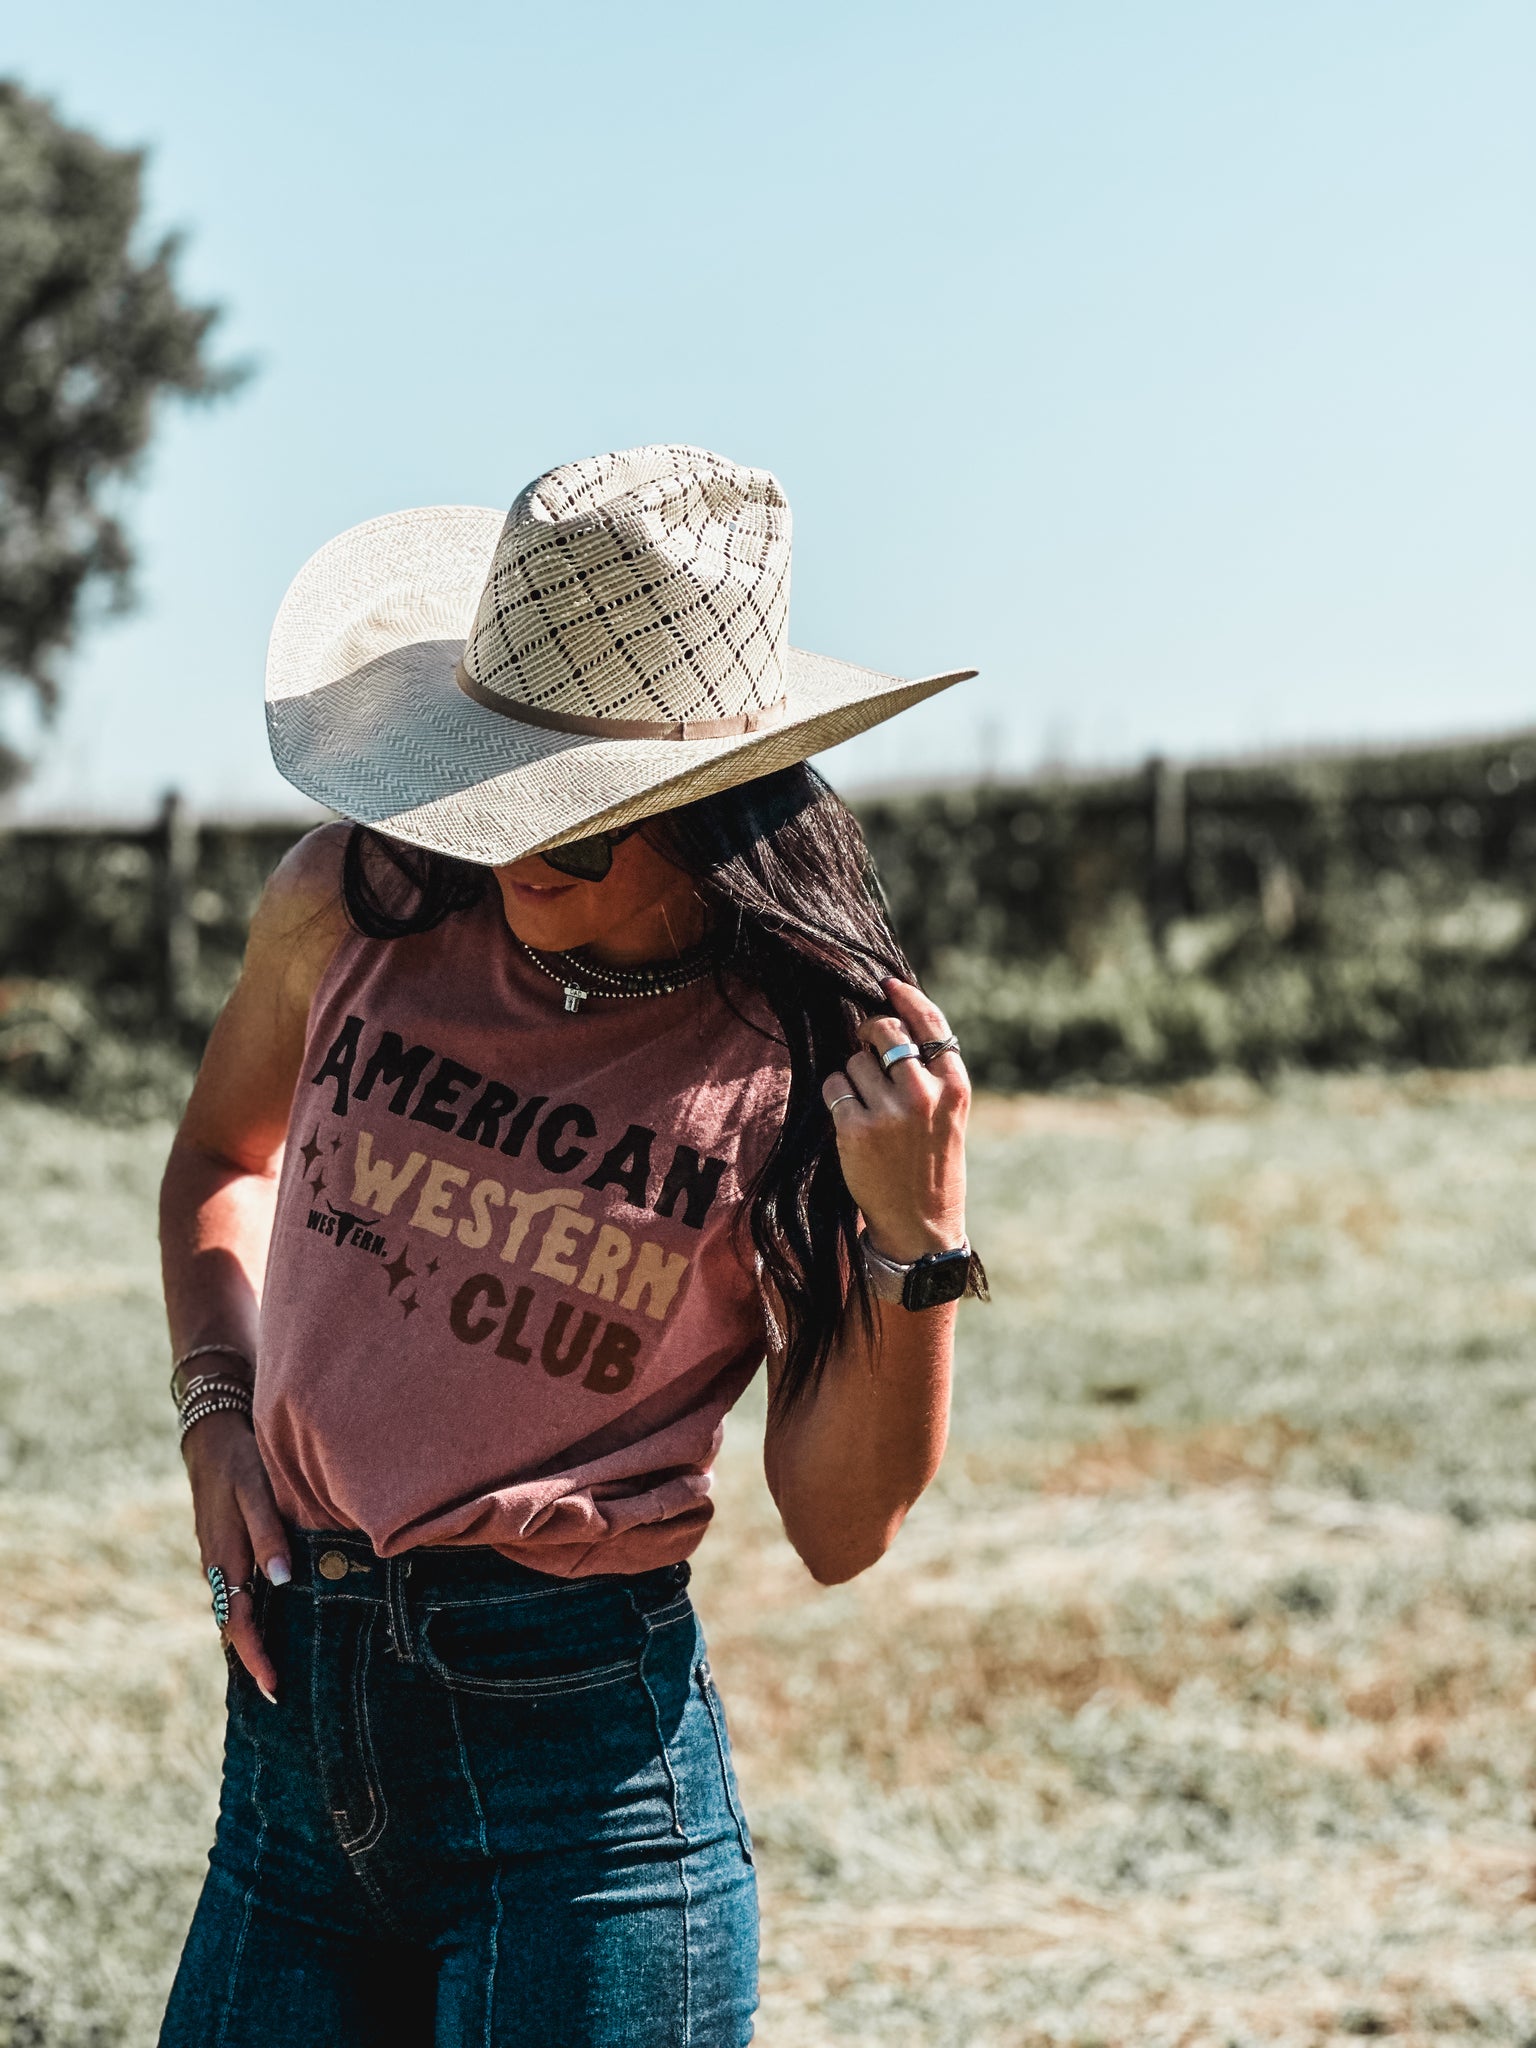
{"x": 400, "y": 1270}
{"x": 336, "y": 1141}
{"x": 431, "y": 1266}
{"x": 409, "y": 1303}
{"x": 318, "y": 1183}
{"x": 310, "y": 1152}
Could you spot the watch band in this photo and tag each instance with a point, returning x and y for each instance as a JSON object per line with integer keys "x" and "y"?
{"x": 888, "y": 1277}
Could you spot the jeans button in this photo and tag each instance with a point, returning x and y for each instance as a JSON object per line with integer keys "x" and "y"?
{"x": 332, "y": 1565}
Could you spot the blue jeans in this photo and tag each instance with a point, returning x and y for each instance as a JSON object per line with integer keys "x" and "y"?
{"x": 490, "y": 1807}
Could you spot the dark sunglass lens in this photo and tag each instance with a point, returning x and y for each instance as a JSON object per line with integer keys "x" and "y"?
{"x": 588, "y": 860}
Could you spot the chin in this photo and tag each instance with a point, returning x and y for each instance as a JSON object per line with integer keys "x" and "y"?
{"x": 553, "y": 920}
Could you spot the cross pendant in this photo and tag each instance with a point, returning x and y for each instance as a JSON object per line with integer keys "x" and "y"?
{"x": 574, "y": 997}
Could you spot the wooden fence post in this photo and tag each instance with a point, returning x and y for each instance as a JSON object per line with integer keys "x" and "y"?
{"x": 177, "y": 835}
{"x": 1168, "y": 842}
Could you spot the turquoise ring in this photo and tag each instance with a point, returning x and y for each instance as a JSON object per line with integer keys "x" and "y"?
{"x": 223, "y": 1593}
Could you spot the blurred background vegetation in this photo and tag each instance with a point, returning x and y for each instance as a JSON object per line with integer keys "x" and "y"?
{"x": 1322, "y": 912}
{"x": 1333, "y": 911}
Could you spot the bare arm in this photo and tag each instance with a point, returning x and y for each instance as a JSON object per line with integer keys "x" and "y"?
{"x": 217, "y": 1197}
{"x": 846, "y": 1464}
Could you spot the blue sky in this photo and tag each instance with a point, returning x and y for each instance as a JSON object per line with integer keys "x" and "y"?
{"x": 1169, "y": 362}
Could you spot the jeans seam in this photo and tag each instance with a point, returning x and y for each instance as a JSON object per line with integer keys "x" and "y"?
{"x": 499, "y": 1597}
{"x": 250, "y": 1896}
{"x": 378, "y": 1817}
{"x": 714, "y": 1707}
{"x": 678, "y": 1831}
{"x": 495, "y": 1599}
{"x": 485, "y": 1850}
{"x": 356, "y": 1849}
{"x": 469, "y": 1776}
{"x": 526, "y": 1688}
{"x": 495, "y": 1958}
{"x": 680, "y": 1609}
{"x": 339, "y": 1813}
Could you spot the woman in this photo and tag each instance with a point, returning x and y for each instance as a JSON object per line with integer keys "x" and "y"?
{"x": 577, "y": 1075}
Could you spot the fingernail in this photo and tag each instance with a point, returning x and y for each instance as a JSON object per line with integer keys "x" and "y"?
{"x": 269, "y": 1696}
{"x": 277, "y": 1571}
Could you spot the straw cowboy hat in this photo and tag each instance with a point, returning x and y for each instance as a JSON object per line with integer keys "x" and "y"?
{"x": 616, "y": 645}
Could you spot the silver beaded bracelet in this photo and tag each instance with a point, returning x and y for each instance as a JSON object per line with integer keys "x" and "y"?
{"x": 225, "y": 1390}
{"x": 236, "y": 1401}
{"x": 210, "y": 1383}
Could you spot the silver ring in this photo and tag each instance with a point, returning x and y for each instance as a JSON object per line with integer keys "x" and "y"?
{"x": 905, "y": 1051}
{"x": 849, "y": 1097}
{"x": 931, "y": 1048}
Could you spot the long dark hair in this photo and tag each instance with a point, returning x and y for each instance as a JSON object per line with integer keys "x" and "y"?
{"x": 797, "y": 914}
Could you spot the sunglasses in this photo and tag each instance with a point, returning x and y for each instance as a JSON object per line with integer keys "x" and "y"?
{"x": 586, "y": 860}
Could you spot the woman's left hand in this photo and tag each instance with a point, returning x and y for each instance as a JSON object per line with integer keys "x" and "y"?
{"x": 901, "y": 1131}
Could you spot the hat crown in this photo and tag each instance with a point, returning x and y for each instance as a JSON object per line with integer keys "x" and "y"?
{"x": 647, "y": 585}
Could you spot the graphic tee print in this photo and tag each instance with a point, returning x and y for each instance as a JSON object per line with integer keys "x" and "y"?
{"x": 507, "y": 1300}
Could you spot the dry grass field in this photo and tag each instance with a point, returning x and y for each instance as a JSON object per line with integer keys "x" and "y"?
{"x": 1192, "y": 1707}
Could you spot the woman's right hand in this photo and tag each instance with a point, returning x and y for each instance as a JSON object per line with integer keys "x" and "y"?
{"x": 237, "y": 1524}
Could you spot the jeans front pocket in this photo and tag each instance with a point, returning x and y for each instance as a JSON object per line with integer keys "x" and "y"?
{"x": 531, "y": 1647}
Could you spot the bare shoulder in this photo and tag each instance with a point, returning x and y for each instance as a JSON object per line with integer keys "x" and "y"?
{"x": 244, "y": 1089}
{"x": 307, "y": 880}
{"x": 301, "y": 917}
{"x": 303, "y": 893}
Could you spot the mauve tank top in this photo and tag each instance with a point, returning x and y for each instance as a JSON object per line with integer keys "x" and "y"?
{"x": 507, "y": 1300}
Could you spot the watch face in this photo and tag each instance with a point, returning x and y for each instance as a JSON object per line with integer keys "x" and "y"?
{"x": 939, "y": 1278}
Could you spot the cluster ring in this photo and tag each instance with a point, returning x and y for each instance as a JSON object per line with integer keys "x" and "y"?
{"x": 223, "y": 1592}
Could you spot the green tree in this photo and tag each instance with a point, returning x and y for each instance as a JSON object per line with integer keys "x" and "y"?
{"x": 93, "y": 333}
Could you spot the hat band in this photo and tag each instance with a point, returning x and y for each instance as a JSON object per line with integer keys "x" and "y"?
{"x": 621, "y": 728}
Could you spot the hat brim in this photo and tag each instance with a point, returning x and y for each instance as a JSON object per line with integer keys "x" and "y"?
{"x": 394, "y": 743}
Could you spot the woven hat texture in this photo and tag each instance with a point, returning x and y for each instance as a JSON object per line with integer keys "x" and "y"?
{"x": 651, "y": 585}
{"x": 615, "y": 645}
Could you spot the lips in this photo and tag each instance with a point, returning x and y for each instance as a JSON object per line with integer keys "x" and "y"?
{"x": 540, "y": 892}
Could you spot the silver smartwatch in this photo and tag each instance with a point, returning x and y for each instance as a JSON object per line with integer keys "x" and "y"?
{"x": 921, "y": 1283}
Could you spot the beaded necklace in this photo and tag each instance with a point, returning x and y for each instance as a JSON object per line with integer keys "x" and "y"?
{"x": 582, "y": 979}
